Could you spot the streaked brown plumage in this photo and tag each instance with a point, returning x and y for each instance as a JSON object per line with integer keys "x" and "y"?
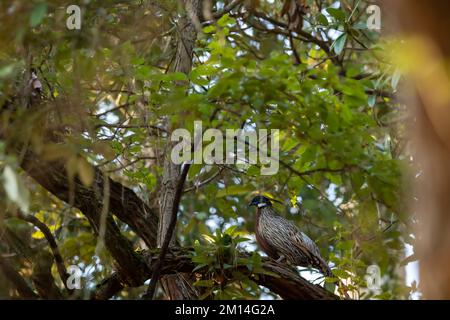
{"x": 279, "y": 238}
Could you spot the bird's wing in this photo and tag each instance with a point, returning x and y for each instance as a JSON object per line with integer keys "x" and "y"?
{"x": 308, "y": 243}
{"x": 299, "y": 237}
{"x": 288, "y": 240}
{"x": 307, "y": 247}
{"x": 295, "y": 236}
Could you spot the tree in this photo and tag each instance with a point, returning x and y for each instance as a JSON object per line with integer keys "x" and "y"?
{"x": 86, "y": 127}
{"x": 422, "y": 57}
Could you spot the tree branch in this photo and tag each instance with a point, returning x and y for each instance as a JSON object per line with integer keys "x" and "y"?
{"x": 52, "y": 243}
{"x": 16, "y": 279}
{"x": 204, "y": 182}
{"x": 168, "y": 236}
{"x": 124, "y": 203}
{"x": 286, "y": 283}
{"x": 108, "y": 288}
{"x": 42, "y": 277}
{"x": 89, "y": 200}
{"x": 305, "y": 35}
{"x": 233, "y": 4}
{"x": 186, "y": 38}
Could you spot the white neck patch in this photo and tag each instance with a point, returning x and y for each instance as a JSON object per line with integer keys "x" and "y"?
{"x": 261, "y": 205}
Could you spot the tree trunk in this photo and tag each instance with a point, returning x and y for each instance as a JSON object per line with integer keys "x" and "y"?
{"x": 428, "y": 22}
{"x": 177, "y": 287}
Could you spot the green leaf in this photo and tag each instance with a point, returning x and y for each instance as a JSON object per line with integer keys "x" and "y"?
{"x": 6, "y": 70}
{"x": 341, "y": 273}
{"x": 226, "y": 20}
{"x": 331, "y": 287}
{"x": 209, "y": 29}
{"x": 310, "y": 204}
{"x": 395, "y": 79}
{"x": 173, "y": 76}
{"x": 372, "y": 100}
{"x": 205, "y": 295}
{"x": 179, "y": 76}
{"x": 204, "y": 283}
{"x": 345, "y": 245}
{"x": 38, "y": 14}
{"x": 200, "y": 266}
{"x": 14, "y": 189}
{"x": 339, "y": 43}
{"x": 322, "y": 20}
{"x": 230, "y": 230}
{"x": 361, "y": 25}
{"x": 383, "y": 296}
{"x": 338, "y": 14}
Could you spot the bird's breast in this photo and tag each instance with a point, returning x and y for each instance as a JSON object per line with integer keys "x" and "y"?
{"x": 262, "y": 232}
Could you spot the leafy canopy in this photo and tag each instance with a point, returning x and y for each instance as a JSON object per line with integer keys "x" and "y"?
{"x": 327, "y": 88}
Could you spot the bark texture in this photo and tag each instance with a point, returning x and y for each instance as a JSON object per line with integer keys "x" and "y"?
{"x": 428, "y": 22}
{"x": 177, "y": 287}
{"x": 150, "y": 224}
{"x": 287, "y": 283}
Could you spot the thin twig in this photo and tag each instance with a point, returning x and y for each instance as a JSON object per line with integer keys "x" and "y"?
{"x": 204, "y": 182}
{"x": 52, "y": 243}
{"x": 227, "y": 8}
{"x": 131, "y": 126}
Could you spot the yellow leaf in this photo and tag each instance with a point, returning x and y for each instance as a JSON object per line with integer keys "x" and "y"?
{"x": 71, "y": 167}
{"x": 208, "y": 238}
{"x": 53, "y": 151}
{"x": 85, "y": 172}
{"x": 38, "y": 235}
{"x": 104, "y": 149}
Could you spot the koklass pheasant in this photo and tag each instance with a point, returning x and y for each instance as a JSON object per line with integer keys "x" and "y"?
{"x": 281, "y": 239}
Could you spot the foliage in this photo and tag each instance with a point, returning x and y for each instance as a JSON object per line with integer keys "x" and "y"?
{"x": 111, "y": 88}
{"x": 223, "y": 277}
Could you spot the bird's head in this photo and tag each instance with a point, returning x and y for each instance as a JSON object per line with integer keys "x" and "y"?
{"x": 260, "y": 202}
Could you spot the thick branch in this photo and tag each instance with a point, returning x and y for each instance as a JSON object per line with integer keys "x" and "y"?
{"x": 288, "y": 284}
{"x": 16, "y": 279}
{"x": 89, "y": 200}
{"x": 108, "y": 288}
{"x": 123, "y": 202}
{"x": 42, "y": 277}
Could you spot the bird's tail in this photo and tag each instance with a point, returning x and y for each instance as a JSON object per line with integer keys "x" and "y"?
{"x": 323, "y": 267}
{"x": 326, "y": 271}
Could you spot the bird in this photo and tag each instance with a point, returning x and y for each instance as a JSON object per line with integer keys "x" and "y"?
{"x": 281, "y": 240}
